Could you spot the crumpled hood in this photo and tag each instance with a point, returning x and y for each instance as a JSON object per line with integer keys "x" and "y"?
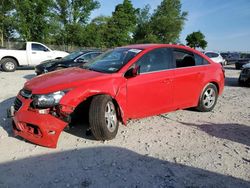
{"x": 61, "y": 80}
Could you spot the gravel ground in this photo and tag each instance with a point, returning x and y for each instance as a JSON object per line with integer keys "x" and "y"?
{"x": 178, "y": 149}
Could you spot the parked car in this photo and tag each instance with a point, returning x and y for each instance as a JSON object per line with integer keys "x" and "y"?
{"x": 124, "y": 83}
{"x": 244, "y": 78}
{"x": 231, "y": 57}
{"x": 216, "y": 57}
{"x": 74, "y": 59}
{"x": 239, "y": 64}
{"x": 31, "y": 54}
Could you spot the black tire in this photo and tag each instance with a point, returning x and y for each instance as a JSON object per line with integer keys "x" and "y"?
{"x": 8, "y": 64}
{"x": 237, "y": 67}
{"x": 241, "y": 83}
{"x": 207, "y": 104}
{"x": 100, "y": 125}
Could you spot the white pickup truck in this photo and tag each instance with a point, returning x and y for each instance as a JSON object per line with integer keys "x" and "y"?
{"x": 31, "y": 54}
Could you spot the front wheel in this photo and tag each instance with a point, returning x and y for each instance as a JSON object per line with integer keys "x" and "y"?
{"x": 8, "y": 64}
{"x": 103, "y": 118}
{"x": 208, "y": 98}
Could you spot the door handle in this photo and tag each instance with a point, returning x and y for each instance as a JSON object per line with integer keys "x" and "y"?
{"x": 33, "y": 52}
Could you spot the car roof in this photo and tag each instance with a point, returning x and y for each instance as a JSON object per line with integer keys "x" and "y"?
{"x": 87, "y": 51}
{"x": 211, "y": 52}
{"x": 150, "y": 46}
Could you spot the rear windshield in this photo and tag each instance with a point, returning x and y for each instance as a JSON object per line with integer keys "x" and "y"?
{"x": 73, "y": 55}
{"x": 211, "y": 54}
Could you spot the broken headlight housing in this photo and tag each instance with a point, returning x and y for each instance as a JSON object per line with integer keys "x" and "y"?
{"x": 48, "y": 100}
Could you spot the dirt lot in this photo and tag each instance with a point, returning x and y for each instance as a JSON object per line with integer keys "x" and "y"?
{"x": 178, "y": 149}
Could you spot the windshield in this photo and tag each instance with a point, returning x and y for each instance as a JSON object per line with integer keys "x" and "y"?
{"x": 112, "y": 61}
{"x": 73, "y": 55}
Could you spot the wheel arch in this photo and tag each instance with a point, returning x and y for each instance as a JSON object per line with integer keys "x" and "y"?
{"x": 205, "y": 85}
{"x": 216, "y": 84}
{"x": 11, "y": 57}
{"x": 120, "y": 110}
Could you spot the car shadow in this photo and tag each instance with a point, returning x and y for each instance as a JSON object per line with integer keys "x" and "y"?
{"x": 229, "y": 68}
{"x": 232, "y": 82}
{"x": 5, "y": 122}
{"x": 26, "y": 68}
{"x": 235, "y": 132}
{"x": 29, "y": 76}
{"x": 107, "y": 167}
{"x": 81, "y": 130}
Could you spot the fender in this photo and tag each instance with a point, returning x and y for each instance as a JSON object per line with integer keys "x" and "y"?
{"x": 118, "y": 92}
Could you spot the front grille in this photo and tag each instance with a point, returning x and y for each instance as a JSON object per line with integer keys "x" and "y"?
{"x": 25, "y": 93}
{"x": 17, "y": 104}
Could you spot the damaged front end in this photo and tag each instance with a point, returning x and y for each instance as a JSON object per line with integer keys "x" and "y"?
{"x": 40, "y": 119}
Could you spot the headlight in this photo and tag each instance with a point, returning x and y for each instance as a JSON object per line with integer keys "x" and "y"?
{"x": 48, "y": 100}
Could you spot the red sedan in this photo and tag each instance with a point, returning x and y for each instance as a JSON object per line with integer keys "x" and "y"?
{"x": 128, "y": 82}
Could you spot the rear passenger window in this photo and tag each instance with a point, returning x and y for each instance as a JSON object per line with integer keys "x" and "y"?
{"x": 200, "y": 60}
{"x": 156, "y": 60}
{"x": 184, "y": 58}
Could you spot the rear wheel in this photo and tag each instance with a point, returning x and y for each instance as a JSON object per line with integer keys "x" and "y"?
{"x": 8, "y": 64}
{"x": 208, "y": 98}
{"x": 237, "y": 66}
{"x": 103, "y": 118}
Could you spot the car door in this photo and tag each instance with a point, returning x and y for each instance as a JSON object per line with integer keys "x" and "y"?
{"x": 150, "y": 92}
{"x": 188, "y": 78}
{"x": 39, "y": 53}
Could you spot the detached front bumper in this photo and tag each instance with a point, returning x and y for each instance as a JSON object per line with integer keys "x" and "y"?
{"x": 41, "y": 129}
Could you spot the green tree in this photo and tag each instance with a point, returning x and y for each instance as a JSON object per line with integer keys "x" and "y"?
{"x": 72, "y": 16}
{"x": 33, "y": 18}
{"x": 7, "y": 23}
{"x": 94, "y": 34}
{"x": 121, "y": 25}
{"x": 196, "y": 40}
{"x": 143, "y": 32}
{"x": 165, "y": 24}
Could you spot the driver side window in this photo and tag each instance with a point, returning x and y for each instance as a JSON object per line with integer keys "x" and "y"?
{"x": 155, "y": 60}
{"x": 38, "y": 47}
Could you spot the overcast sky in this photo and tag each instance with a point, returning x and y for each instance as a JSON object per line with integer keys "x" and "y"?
{"x": 225, "y": 23}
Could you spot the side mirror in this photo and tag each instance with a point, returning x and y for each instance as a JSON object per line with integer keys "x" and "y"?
{"x": 132, "y": 72}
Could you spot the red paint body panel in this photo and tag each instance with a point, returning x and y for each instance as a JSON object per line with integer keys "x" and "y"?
{"x": 187, "y": 83}
{"x": 144, "y": 95}
{"x": 149, "y": 94}
{"x": 44, "y": 122}
{"x": 61, "y": 79}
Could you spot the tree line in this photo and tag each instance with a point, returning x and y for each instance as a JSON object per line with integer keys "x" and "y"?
{"x": 67, "y": 22}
